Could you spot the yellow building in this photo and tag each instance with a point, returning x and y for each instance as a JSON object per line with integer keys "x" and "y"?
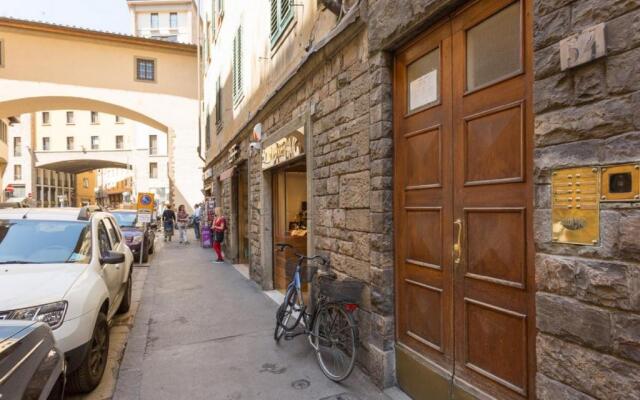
{"x": 85, "y": 188}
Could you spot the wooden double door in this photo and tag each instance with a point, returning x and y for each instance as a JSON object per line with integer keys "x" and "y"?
{"x": 463, "y": 206}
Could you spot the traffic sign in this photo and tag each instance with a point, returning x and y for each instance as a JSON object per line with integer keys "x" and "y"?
{"x": 145, "y": 202}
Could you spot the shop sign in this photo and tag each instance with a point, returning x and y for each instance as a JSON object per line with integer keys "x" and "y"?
{"x": 283, "y": 150}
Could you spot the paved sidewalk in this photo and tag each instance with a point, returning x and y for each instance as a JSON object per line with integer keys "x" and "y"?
{"x": 203, "y": 331}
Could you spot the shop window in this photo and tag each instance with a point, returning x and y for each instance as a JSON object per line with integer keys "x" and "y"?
{"x": 281, "y": 16}
{"x": 423, "y": 77}
{"x": 494, "y": 48}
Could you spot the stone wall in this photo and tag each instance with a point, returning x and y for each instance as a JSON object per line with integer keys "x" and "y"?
{"x": 588, "y": 299}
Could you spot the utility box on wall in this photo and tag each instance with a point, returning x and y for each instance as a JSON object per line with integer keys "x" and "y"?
{"x": 577, "y": 194}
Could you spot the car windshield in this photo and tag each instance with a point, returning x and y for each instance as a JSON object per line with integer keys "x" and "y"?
{"x": 126, "y": 219}
{"x": 44, "y": 242}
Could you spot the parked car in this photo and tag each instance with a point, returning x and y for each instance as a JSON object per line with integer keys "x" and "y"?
{"x": 134, "y": 233}
{"x": 31, "y": 367}
{"x": 72, "y": 270}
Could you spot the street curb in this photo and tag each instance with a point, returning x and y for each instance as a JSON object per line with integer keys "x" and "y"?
{"x": 130, "y": 373}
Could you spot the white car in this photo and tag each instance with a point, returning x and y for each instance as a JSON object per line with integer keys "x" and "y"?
{"x": 71, "y": 269}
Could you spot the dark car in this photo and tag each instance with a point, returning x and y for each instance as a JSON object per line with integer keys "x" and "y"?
{"x": 31, "y": 367}
{"x": 133, "y": 233}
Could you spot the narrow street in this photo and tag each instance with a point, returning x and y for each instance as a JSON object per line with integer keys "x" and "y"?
{"x": 203, "y": 331}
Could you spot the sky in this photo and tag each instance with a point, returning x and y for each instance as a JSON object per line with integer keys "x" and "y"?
{"x": 104, "y": 15}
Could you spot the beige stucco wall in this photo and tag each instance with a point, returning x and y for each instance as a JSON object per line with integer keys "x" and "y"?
{"x": 265, "y": 66}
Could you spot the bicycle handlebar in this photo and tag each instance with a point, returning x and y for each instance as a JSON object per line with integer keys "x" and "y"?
{"x": 323, "y": 260}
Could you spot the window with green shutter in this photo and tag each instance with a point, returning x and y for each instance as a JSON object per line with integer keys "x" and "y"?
{"x": 281, "y": 15}
{"x": 237, "y": 67}
{"x": 218, "y": 106}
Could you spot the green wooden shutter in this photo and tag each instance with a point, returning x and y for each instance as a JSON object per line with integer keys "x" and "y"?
{"x": 240, "y": 69}
{"x": 285, "y": 10}
{"x": 274, "y": 19}
{"x": 218, "y": 102}
{"x": 234, "y": 69}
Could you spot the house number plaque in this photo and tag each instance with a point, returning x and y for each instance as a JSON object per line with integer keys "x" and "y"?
{"x": 575, "y": 210}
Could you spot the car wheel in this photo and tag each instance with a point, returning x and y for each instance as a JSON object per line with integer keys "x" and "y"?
{"x": 125, "y": 304}
{"x": 89, "y": 374}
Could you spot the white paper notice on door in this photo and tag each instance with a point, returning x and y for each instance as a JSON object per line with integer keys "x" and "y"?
{"x": 423, "y": 90}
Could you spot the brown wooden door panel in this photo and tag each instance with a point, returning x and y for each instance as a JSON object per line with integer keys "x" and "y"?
{"x": 423, "y": 206}
{"x": 491, "y": 197}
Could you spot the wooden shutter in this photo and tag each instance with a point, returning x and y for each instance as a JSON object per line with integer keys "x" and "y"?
{"x": 218, "y": 102}
{"x": 285, "y": 9}
{"x": 234, "y": 69}
{"x": 274, "y": 18}
{"x": 239, "y": 56}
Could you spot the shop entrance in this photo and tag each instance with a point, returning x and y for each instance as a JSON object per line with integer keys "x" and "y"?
{"x": 289, "y": 191}
{"x": 463, "y": 206}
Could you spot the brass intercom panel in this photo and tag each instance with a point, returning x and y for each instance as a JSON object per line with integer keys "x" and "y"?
{"x": 620, "y": 183}
{"x": 575, "y": 210}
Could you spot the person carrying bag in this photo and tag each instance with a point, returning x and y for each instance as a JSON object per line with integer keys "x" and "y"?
{"x": 218, "y": 229}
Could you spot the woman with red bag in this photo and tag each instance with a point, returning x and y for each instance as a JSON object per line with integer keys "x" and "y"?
{"x": 219, "y": 226}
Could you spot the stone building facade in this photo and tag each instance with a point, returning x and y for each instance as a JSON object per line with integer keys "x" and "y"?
{"x": 587, "y": 298}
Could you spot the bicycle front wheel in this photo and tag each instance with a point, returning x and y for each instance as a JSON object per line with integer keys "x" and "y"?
{"x": 336, "y": 337}
{"x": 285, "y": 320}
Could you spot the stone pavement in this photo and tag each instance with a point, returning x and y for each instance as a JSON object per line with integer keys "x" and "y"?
{"x": 204, "y": 331}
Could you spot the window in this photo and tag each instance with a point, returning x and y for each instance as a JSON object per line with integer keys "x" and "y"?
{"x": 119, "y": 119}
{"x": 17, "y": 172}
{"x": 45, "y": 118}
{"x": 207, "y": 130}
{"x": 218, "y": 106}
{"x": 155, "y": 21}
{"x": 119, "y": 142}
{"x": 423, "y": 81}
{"x": 153, "y": 144}
{"x": 1, "y": 53}
{"x": 70, "y": 117}
{"x": 3, "y": 132}
{"x": 112, "y": 230}
{"x": 45, "y": 143}
{"x": 153, "y": 170}
{"x": 145, "y": 69}
{"x": 95, "y": 119}
{"x": 494, "y": 48}
{"x": 173, "y": 20}
{"x": 281, "y": 15}
{"x": 85, "y": 183}
{"x": 95, "y": 142}
{"x": 237, "y": 67}
{"x": 103, "y": 239}
{"x": 70, "y": 143}
{"x": 17, "y": 147}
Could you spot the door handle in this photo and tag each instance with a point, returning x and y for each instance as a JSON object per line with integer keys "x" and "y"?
{"x": 457, "y": 247}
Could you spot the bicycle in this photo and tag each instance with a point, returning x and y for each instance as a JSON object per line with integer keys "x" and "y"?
{"x": 329, "y": 327}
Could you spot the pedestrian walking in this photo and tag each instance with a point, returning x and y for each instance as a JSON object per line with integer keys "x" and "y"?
{"x": 197, "y": 212}
{"x": 168, "y": 222}
{"x": 219, "y": 226}
{"x": 183, "y": 220}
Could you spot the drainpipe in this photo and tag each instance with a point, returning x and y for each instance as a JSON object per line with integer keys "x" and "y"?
{"x": 199, "y": 148}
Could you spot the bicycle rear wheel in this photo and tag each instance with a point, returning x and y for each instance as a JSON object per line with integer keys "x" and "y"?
{"x": 285, "y": 320}
{"x": 336, "y": 336}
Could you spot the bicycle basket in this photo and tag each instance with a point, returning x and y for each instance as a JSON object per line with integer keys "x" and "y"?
{"x": 346, "y": 290}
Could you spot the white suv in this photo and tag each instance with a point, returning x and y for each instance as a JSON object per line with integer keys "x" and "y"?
{"x": 72, "y": 270}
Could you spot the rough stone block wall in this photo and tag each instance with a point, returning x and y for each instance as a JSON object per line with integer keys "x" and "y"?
{"x": 588, "y": 299}
{"x": 352, "y": 216}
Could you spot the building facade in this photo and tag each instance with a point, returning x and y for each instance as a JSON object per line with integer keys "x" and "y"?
{"x": 85, "y": 189}
{"x": 175, "y": 21}
{"x": 472, "y": 162}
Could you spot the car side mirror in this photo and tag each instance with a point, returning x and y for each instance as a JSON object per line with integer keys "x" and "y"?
{"x": 112, "y": 257}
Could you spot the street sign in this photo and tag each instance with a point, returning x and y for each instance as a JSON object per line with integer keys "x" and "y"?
{"x": 144, "y": 216}
{"x": 145, "y": 202}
